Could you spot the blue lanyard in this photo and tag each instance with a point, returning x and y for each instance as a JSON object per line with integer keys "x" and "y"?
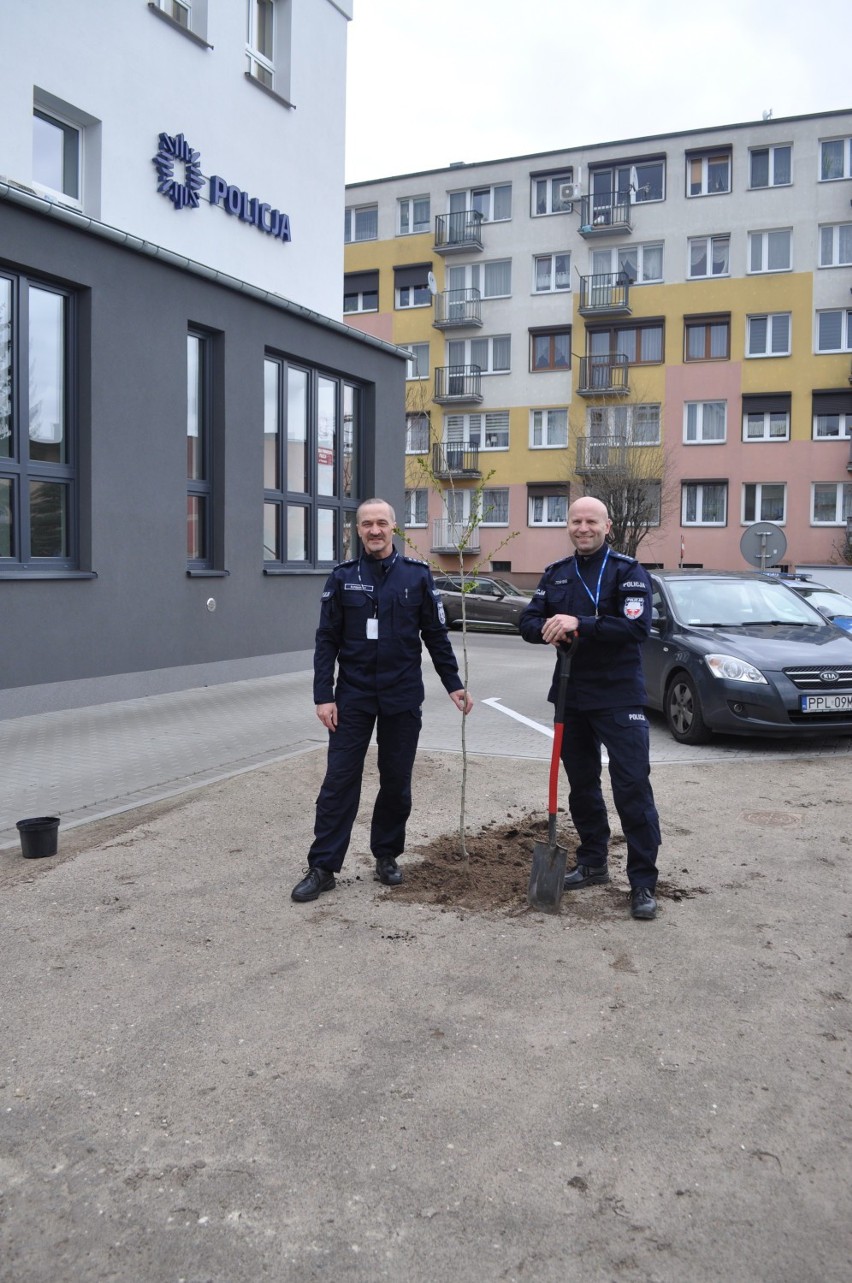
{"x": 596, "y": 596}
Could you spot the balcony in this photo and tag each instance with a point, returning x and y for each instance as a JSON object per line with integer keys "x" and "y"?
{"x": 605, "y": 294}
{"x": 459, "y": 232}
{"x": 455, "y": 460}
{"x": 455, "y": 309}
{"x": 454, "y": 536}
{"x": 602, "y": 454}
{"x": 605, "y": 214}
{"x": 457, "y": 383}
{"x": 604, "y": 375}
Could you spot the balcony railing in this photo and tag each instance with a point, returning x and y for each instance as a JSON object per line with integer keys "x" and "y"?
{"x": 603, "y": 375}
{"x": 606, "y": 292}
{"x": 605, "y": 213}
{"x": 451, "y": 460}
{"x": 448, "y": 536}
{"x": 597, "y": 454}
{"x": 457, "y": 308}
{"x": 459, "y": 231}
{"x": 457, "y": 383}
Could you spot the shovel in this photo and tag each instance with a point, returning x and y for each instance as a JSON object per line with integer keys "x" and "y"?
{"x": 547, "y": 878}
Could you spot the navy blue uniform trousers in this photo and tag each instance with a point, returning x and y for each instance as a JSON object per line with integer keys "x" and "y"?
{"x": 624, "y": 733}
{"x": 340, "y": 795}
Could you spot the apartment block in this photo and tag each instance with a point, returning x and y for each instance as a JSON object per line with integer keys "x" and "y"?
{"x": 676, "y": 309}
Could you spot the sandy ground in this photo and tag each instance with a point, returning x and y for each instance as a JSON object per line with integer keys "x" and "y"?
{"x": 202, "y": 1081}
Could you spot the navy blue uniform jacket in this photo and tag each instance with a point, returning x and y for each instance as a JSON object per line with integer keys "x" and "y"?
{"x": 382, "y": 675}
{"x": 606, "y": 671}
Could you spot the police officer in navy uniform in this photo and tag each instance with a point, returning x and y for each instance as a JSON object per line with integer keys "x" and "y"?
{"x": 604, "y": 598}
{"x": 375, "y": 610}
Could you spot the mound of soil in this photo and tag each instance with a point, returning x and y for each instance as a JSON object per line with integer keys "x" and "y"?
{"x": 495, "y": 873}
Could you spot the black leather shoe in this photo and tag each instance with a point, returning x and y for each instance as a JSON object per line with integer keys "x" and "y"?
{"x": 586, "y": 875}
{"x": 312, "y": 884}
{"x": 642, "y": 903}
{"x": 388, "y": 872}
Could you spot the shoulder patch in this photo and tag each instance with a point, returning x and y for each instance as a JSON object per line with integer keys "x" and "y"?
{"x": 415, "y": 561}
{"x": 353, "y": 561}
{"x": 622, "y": 556}
{"x": 560, "y": 562}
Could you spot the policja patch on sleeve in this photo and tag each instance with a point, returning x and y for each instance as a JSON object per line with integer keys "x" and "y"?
{"x": 633, "y": 607}
{"x": 439, "y": 602}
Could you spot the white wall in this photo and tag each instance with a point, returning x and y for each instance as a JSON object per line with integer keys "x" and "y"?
{"x": 118, "y": 63}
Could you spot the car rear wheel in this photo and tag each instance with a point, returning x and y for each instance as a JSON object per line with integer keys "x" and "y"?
{"x": 683, "y": 712}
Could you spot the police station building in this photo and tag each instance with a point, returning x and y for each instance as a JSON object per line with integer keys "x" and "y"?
{"x": 184, "y": 434}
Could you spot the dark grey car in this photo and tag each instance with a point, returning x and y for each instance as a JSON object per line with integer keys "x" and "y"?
{"x": 742, "y": 654}
{"x": 488, "y": 603}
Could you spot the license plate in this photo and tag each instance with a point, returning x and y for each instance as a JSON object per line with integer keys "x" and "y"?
{"x": 827, "y": 703}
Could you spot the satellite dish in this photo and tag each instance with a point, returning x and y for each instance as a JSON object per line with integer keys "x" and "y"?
{"x": 431, "y": 282}
{"x": 763, "y": 544}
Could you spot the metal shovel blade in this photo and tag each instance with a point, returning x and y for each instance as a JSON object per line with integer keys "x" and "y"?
{"x": 547, "y": 877}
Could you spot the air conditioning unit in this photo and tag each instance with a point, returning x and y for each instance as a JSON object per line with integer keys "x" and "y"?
{"x": 570, "y": 191}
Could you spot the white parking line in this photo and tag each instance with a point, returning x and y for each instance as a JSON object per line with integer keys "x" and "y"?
{"x": 494, "y": 702}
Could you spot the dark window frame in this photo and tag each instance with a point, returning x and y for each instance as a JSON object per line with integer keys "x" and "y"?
{"x": 18, "y": 469}
{"x": 706, "y": 323}
{"x": 283, "y": 498}
{"x": 550, "y": 333}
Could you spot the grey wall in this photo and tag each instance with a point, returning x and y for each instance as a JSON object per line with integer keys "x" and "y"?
{"x": 142, "y": 612}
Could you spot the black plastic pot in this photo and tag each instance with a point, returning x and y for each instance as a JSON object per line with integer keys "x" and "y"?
{"x": 39, "y": 836}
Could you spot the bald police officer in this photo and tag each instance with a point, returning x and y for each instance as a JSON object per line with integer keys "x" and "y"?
{"x": 605, "y": 598}
{"x": 375, "y": 610}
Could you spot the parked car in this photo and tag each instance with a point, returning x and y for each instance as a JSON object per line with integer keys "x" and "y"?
{"x": 828, "y": 601}
{"x": 743, "y": 654}
{"x": 488, "y": 603}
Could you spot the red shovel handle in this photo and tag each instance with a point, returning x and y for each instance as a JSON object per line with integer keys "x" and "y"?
{"x": 565, "y": 654}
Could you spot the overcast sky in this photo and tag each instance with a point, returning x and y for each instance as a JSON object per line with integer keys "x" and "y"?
{"x": 436, "y": 81}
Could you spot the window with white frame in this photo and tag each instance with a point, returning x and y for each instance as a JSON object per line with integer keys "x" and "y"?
{"x": 180, "y": 11}
{"x": 494, "y": 508}
{"x": 493, "y": 280}
{"x": 548, "y": 509}
{"x": 709, "y": 256}
{"x": 764, "y": 501}
{"x": 546, "y": 195}
{"x": 57, "y": 148}
{"x": 481, "y": 431}
{"x": 835, "y": 245}
{"x": 766, "y": 418}
{"x": 770, "y": 166}
{"x": 704, "y": 503}
{"x": 411, "y": 286}
{"x": 768, "y": 335}
{"x": 551, "y": 273}
{"x": 414, "y": 215}
{"x": 770, "y": 251}
{"x": 361, "y": 223}
{"x": 834, "y": 331}
{"x": 619, "y": 185}
{"x": 360, "y": 292}
{"x": 631, "y": 424}
{"x": 708, "y": 173}
{"x": 418, "y": 362}
{"x": 835, "y": 159}
{"x": 493, "y": 354}
{"x": 548, "y": 429}
{"x": 705, "y": 422}
{"x": 832, "y": 426}
{"x": 416, "y": 507}
{"x": 267, "y": 44}
{"x": 831, "y": 503}
{"x": 492, "y": 204}
{"x": 642, "y": 264}
{"x": 417, "y": 431}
